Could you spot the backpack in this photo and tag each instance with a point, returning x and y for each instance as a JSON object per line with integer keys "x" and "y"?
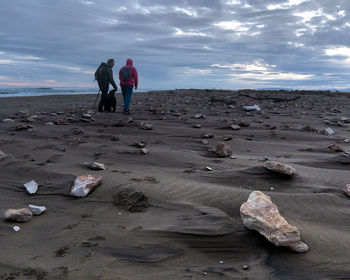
{"x": 126, "y": 74}
{"x": 100, "y": 72}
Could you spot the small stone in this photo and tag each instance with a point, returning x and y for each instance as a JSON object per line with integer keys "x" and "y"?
{"x": 251, "y": 108}
{"x": 329, "y": 131}
{"x": 21, "y": 126}
{"x": 120, "y": 123}
{"x": 336, "y": 148}
{"x": 8, "y": 121}
{"x": 245, "y": 267}
{"x": 18, "y": 215}
{"x": 144, "y": 151}
{"x": 86, "y": 115}
{"x": 16, "y": 228}
{"x": 197, "y": 126}
{"x": 346, "y": 140}
{"x": 279, "y": 167}
{"x": 37, "y": 210}
{"x": 84, "y": 184}
{"x": 146, "y": 125}
{"x": 2, "y": 155}
{"x": 223, "y": 150}
{"x": 232, "y": 156}
{"x": 207, "y": 135}
{"x": 199, "y": 116}
{"x": 260, "y": 214}
{"x": 31, "y": 187}
{"x": 235, "y": 127}
{"x": 49, "y": 123}
{"x": 115, "y": 138}
{"x": 95, "y": 165}
{"x": 205, "y": 142}
{"x": 209, "y": 168}
{"x": 141, "y": 144}
{"x": 78, "y": 131}
{"x": 61, "y": 122}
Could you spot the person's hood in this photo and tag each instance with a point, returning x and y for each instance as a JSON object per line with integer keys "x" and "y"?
{"x": 129, "y": 62}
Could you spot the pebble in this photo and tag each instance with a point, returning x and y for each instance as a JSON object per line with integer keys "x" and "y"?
{"x": 144, "y": 151}
{"x": 209, "y": 168}
{"x": 8, "y": 120}
{"x": 16, "y": 228}
{"x": 31, "y": 187}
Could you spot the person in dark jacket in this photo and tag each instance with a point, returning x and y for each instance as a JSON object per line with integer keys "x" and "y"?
{"x": 128, "y": 80}
{"x": 105, "y": 78}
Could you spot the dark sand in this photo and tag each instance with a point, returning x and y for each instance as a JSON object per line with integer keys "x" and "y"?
{"x": 176, "y": 236}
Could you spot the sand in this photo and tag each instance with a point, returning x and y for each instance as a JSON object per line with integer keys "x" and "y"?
{"x": 181, "y": 221}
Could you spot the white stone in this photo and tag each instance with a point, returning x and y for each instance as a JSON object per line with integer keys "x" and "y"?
{"x": 235, "y": 127}
{"x": 16, "y": 228}
{"x": 84, "y": 184}
{"x": 251, "y": 108}
{"x": 2, "y": 155}
{"x": 209, "y": 168}
{"x": 31, "y": 187}
{"x": 144, "y": 151}
{"x": 329, "y": 131}
{"x": 8, "y": 120}
{"x": 280, "y": 168}
{"x": 260, "y": 214}
{"x": 37, "y": 210}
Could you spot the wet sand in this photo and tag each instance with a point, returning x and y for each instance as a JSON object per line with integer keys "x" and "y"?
{"x": 190, "y": 227}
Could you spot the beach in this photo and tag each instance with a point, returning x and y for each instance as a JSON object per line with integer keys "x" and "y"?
{"x": 189, "y": 226}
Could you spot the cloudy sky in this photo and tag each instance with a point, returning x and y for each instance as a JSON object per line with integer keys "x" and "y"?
{"x": 231, "y": 44}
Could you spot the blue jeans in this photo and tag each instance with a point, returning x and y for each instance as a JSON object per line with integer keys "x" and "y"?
{"x": 126, "y": 91}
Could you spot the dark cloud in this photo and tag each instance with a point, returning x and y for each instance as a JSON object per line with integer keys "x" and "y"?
{"x": 175, "y": 44}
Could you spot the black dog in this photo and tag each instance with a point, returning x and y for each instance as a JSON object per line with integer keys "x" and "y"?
{"x": 110, "y": 101}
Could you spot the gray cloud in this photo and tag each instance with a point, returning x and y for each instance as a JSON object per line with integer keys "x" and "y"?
{"x": 192, "y": 43}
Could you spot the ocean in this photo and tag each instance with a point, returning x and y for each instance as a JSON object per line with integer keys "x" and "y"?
{"x": 39, "y": 91}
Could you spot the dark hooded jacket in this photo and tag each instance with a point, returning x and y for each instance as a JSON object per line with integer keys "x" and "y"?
{"x": 133, "y": 81}
{"x": 106, "y": 75}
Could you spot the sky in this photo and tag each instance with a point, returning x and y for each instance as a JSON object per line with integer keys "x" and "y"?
{"x": 222, "y": 44}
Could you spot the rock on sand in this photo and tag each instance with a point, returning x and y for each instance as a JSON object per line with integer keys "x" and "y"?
{"x": 18, "y": 215}
{"x": 223, "y": 150}
{"x": 84, "y": 184}
{"x": 260, "y": 214}
{"x": 279, "y": 167}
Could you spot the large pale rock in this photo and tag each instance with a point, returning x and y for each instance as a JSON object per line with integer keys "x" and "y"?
{"x": 18, "y": 215}
{"x": 260, "y": 214}
{"x": 223, "y": 150}
{"x": 280, "y": 168}
{"x": 31, "y": 187}
{"x": 84, "y": 184}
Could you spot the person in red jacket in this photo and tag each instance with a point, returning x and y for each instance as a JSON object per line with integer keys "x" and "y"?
{"x": 128, "y": 80}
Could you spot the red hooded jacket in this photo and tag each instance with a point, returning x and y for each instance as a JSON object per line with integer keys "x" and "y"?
{"x": 133, "y": 74}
